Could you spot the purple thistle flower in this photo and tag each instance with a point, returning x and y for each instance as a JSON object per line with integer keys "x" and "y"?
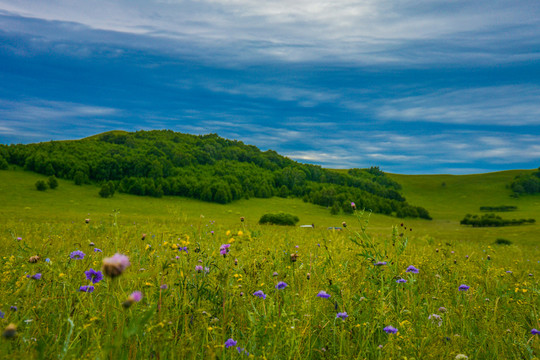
{"x": 77, "y": 255}
{"x": 229, "y": 343}
{"x": 401, "y": 281}
{"x": 281, "y": 285}
{"x": 224, "y": 249}
{"x": 260, "y": 293}
{"x": 390, "y": 330}
{"x": 86, "y": 288}
{"x": 94, "y": 276}
{"x": 323, "y": 294}
{"x": 342, "y": 315}
{"x": 198, "y": 268}
{"x": 19, "y": 238}
{"x": 535, "y": 332}
{"x": 380, "y": 263}
{"x": 97, "y": 250}
{"x": 135, "y": 296}
{"x": 115, "y": 265}
{"x": 412, "y": 269}
{"x": 353, "y": 205}
{"x": 463, "y": 287}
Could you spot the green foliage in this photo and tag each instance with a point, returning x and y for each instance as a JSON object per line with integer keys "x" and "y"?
{"x": 279, "y": 219}
{"x": 501, "y": 241}
{"x": 3, "y": 163}
{"x": 502, "y": 208}
{"x": 487, "y": 220}
{"x": 41, "y": 185}
{"x": 52, "y": 182}
{"x": 209, "y": 168}
{"x": 526, "y": 183}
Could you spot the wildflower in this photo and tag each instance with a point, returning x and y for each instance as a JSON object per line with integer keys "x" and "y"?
{"x": 134, "y": 297}
{"x": 294, "y": 257}
{"x": 508, "y": 271}
{"x": 535, "y": 332}
{"x": 380, "y": 263}
{"x": 19, "y": 238}
{"x": 87, "y": 220}
{"x": 1, "y": 314}
{"x": 323, "y": 294}
{"x": 47, "y": 260}
{"x": 308, "y": 275}
{"x": 229, "y": 343}
{"x": 390, "y": 330}
{"x": 463, "y": 287}
{"x": 281, "y": 285}
{"x": 114, "y": 266}
{"x": 260, "y": 293}
{"x": 353, "y": 205}
{"x": 442, "y": 309}
{"x": 164, "y": 287}
{"x": 435, "y": 318}
{"x": 77, "y": 255}
{"x": 342, "y": 315}
{"x": 412, "y": 269}
{"x": 143, "y": 236}
{"x": 36, "y": 276}
{"x": 97, "y": 250}
{"x": 275, "y": 273}
{"x": 94, "y": 276}
{"x": 198, "y": 268}
{"x": 401, "y": 281}
{"x": 10, "y": 331}
{"x": 235, "y": 261}
{"x": 224, "y": 249}
{"x": 13, "y": 308}
{"x": 33, "y": 259}
{"x": 86, "y": 288}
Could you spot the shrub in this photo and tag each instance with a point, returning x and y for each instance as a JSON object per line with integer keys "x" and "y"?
{"x": 501, "y": 241}
{"x": 53, "y": 183}
{"x": 279, "y": 219}
{"x": 41, "y": 185}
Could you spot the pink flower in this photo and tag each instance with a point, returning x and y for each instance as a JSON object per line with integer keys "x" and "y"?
{"x": 114, "y": 266}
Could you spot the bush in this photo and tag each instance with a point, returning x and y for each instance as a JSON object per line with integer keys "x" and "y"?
{"x": 279, "y": 219}
{"x": 53, "y": 183}
{"x": 41, "y": 185}
{"x": 501, "y": 241}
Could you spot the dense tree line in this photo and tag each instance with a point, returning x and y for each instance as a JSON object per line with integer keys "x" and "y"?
{"x": 526, "y": 183}
{"x": 206, "y": 167}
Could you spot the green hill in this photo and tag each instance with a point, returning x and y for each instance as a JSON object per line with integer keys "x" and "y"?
{"x": 208, "y": 168}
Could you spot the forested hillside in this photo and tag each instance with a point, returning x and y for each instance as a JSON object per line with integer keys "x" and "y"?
{"x": 209, "y": 168}
{"x": 526, "y": 183}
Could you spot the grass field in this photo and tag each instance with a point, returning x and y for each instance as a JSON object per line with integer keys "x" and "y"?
{"x": 195, "y": 301}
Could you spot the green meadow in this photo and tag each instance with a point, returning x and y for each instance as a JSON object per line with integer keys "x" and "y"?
{"x": 464, "y": 297}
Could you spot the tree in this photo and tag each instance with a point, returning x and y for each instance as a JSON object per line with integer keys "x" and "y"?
{"x": 53, "y": 183}
{"x": 79, "y": 178}
{"x": 41, "y": 185}
{"x": 3, "y": 163}
{"x": 105, "y": 192}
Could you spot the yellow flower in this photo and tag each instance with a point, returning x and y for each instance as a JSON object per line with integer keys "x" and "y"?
{"x": 240, "y": 233}
{"x": 228, "y": 232}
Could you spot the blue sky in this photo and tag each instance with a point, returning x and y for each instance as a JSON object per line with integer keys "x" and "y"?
{"x": 409, "y": 86}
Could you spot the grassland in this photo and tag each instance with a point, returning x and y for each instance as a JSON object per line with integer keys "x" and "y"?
{"x": 197, "y": 311}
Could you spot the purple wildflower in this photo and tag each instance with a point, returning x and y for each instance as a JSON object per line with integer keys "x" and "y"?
{"x": 36, "y": 276}
{"x": 275, "y": 273}
{"x": 183, "y": 249}
{"x": 94, "y": 276}
{"x": 164, "y": 287}
{"x": 260, "y": 293}
{"x": 224, "y": 249}
{"x": 229, "y": 343}
{"x": 323, "y": 294}
{"x": 380, "y": 263}
{"x": 97, "y": 250}
{"x": 87, "y": 288}
{"x": 390, "y": 330}
{"x": 135, "y": 296}
{"x": 463, "y": 287}
{"x": 281, "y": 285}
{"x": 353, "y": 205}
{"x": 198, "y": 268}
{"x": 412, "y": 269}
{"x": 535, "y": 332}
{"x": 77, "y": 255}
{"x": 13, "y": 308}
{"x": 1, "y": 314}
{"x": 19, "y": 238}
{"x": 115, "y": 265}
{"x": 342, "y": 315}
{"x": 401, "y": 281}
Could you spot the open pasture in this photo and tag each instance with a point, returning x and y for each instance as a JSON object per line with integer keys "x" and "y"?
{"x": 214, "y": 286}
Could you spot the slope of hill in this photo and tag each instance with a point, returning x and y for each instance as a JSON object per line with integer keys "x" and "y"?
{"x": 209, "y": 168}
